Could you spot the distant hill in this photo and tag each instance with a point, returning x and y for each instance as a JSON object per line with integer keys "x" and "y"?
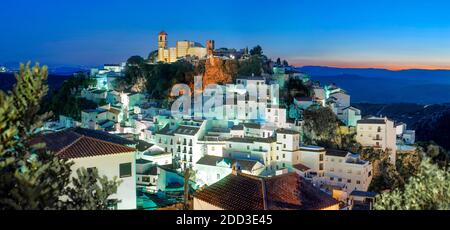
{"x": 386, "y": 86}
{"x": 443, "y": 75}
{"x": 7, "y": 80}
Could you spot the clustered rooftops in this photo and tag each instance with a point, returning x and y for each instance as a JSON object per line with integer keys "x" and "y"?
{"x": 284, "y": 192}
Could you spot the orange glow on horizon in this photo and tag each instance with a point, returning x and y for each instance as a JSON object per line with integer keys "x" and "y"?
{"x": 394, "y": 67}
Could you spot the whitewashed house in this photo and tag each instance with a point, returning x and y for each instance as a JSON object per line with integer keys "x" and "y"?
{"x": 350, "y": 116}
{"x": 104, "y": 152}
{"x": 211, "y": 169}
{"x": 347, "y": 171}
{"x": 378, "y": 133}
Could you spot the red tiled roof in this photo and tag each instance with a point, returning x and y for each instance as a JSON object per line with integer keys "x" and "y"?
{"x": 246, "y": 192}
{"x": 89, "y": 147}
{"x": 301, "y": 167}
{"x": 70, "y": 144}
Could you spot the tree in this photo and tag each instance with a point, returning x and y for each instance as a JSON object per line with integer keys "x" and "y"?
{"x": 135, "y": 61}
{"x": 278, "y": 62}
{"x": 66, "y": 100}
{"x": 30, "y": 177}
{"x": 90, "y": 191}
{"x": 408, "y": 164}
{"x": 253, "y": 65}
{"x": 385, "y": 174}
{"x": 257, "y": 50}
{"x": 285, "y": 63}
{"x": 428, "y": 190}
{"x": 295, "y": 88}
{"x": 321, "y": 127}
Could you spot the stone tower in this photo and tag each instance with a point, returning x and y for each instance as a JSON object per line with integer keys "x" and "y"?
{"x": 210, "y": 47}
{"x": 162, "y": 45}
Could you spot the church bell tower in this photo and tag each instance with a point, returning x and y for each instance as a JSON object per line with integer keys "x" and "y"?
{"x": 162, "y": 45}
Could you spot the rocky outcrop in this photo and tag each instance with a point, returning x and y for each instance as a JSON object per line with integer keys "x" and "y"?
{"x": 219, "y": 71}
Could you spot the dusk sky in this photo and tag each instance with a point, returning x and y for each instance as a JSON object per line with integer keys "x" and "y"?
{"x": 346, "y": 33}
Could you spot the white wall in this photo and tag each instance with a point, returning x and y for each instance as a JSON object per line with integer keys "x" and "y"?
{"x": 108, "y": 165}
{"x": 202, "y": 205}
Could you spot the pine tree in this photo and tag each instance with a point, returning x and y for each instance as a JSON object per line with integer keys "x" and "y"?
{"x": 31, "y": 178}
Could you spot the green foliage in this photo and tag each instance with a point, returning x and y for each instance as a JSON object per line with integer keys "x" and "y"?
{"x": 30, "y": 177}
{"x": 135, "y": 61}
{"x": 90, "y": 191}
{"x": 321, "y": 127}
{"x": 66, "y": 100}
{"x": 408, "y": 164}
{"x": 278, "y": 62}
{"x": 162, "y": 77}
{"x": 256, "y": 51}
{"x": 295, "y": 88}
{"x": 385, "y": 174}
{"x": 435, "y": 152}
{"x": 253, "y": 65}
{"x": 428, "y": 190}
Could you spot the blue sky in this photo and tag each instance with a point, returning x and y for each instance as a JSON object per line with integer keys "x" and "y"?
{"x": 349, "y": 33}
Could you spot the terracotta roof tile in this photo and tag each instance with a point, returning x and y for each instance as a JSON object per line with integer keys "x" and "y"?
{"x": 70, "y": 144}
{"x": 245, "y": 192}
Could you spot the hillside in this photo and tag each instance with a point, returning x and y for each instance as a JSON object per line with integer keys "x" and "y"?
{"x": 386, "y": 86}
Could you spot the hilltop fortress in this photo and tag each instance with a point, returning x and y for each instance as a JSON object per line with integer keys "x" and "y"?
{"x": 182, "y": 50}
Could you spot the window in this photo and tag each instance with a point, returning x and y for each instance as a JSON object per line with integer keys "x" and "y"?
{"x": 284, "y": 136}
{"x": 332, "y": 178}
{"x": 218, "y": 176}
{"x": 331, "y": 169}
{"x": 321, "y": 166}
{"x": 349, "y": 181}
{"x": 284, "y": 165}
{"x": 340, "y": 180}
{"x": 284, "y": 156}
{"x": 358, "y": 182}
{"x": 125, "y": 170}
{"x": 284, "y": 146}
{"x": 146, "y": 179}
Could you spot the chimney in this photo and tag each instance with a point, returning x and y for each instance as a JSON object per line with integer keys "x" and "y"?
{"x": 235, "y": 169}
